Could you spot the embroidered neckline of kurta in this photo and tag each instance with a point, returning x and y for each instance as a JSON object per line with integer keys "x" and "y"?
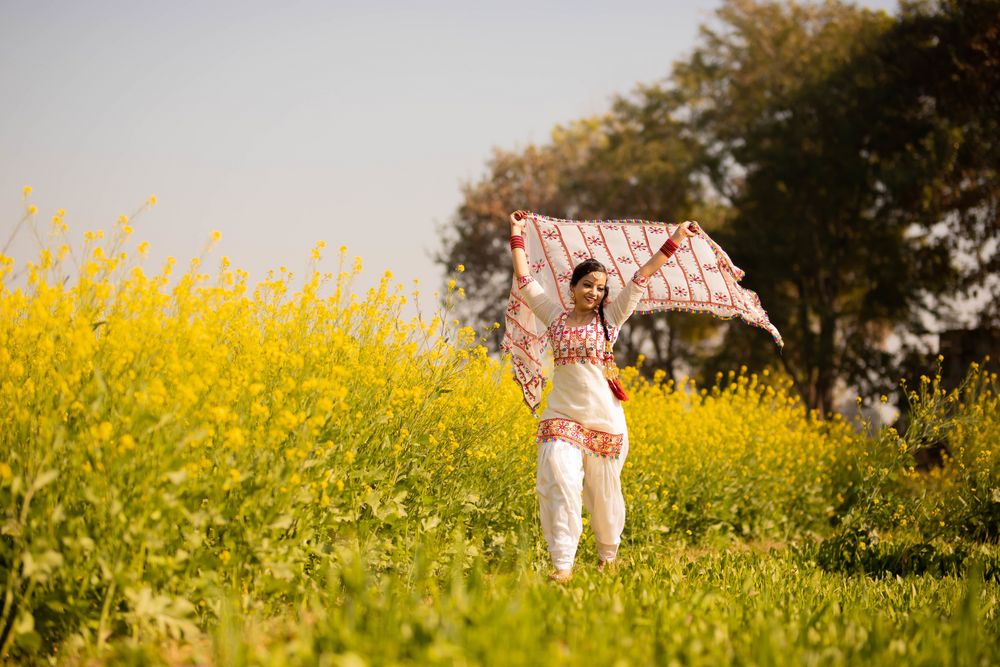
{"x": 595, "y": 443}
{"x": 578, "y": 344}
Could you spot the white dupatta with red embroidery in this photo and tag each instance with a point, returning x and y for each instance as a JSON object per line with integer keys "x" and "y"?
{"x": 699, "y": 278}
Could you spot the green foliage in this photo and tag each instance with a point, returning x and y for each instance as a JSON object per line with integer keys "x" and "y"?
{"x": 936, "y": 516}
{"x": 376, "y": 502}
{"x": 674, "y": 607}
{"x": 847, "y": 159}
{"x": 844, "y": 173}
{"x": 860, "y": 551}
{"x": 213, "y": 477}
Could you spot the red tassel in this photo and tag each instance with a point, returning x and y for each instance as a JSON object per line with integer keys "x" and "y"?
{"x": 616, "y": 389}
{"x": 611, "y": 373}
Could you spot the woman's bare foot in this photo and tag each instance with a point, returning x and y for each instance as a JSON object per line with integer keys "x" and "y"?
{"x": 606, "y": 565}
{"x": 561, "y": 576}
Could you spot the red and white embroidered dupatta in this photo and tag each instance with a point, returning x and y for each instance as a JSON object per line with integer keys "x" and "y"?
{"x": 699, "y": 278}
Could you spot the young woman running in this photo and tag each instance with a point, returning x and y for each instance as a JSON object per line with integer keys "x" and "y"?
{"x": 582, "y": 436}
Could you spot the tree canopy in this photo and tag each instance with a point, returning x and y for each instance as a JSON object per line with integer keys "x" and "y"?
{"x": 846, "y": 159}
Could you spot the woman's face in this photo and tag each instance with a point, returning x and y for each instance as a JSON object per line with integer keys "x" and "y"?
{"x": 588, "y": 293}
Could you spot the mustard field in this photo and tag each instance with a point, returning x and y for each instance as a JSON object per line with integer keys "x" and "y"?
{"x": 197, "y": 470}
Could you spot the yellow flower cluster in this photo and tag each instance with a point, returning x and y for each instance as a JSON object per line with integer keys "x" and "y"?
{"x": 957, "y": 429}
{"x": 174, "y": 407}
{"x": 742, "y": 456}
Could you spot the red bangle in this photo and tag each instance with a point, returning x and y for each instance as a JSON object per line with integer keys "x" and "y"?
{"x": 516, "y": 242}
{"x": 669, "y": 248}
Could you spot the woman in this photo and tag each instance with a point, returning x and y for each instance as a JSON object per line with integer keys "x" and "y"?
{"x": 582, "y": 436}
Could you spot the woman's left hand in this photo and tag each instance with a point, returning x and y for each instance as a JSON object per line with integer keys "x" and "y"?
{"x": 685, "y": 230}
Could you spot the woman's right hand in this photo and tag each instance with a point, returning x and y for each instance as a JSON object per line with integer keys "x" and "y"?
{"x": 517, "y": 222}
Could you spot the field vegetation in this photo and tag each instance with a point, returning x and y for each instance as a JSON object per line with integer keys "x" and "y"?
{"x": 196, "y": 470}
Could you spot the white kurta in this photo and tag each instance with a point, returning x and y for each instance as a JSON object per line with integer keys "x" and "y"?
{"x": 582, "y": 439}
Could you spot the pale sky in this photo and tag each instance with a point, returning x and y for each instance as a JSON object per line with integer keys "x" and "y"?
{"x": 284, "y": 123}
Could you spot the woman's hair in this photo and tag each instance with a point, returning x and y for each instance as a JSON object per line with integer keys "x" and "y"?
{"x": 591, "y": 266}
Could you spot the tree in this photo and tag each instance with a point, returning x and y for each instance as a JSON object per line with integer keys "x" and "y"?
{"x": 944, "y": 61}
{"x": 839, "y": 164}
{"x": 848, "y": 160}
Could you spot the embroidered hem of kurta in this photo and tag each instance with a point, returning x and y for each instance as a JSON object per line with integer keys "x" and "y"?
{"x": 595, "y": 443}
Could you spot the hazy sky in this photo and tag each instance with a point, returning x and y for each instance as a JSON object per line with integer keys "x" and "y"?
{"x": 284, "y": 123}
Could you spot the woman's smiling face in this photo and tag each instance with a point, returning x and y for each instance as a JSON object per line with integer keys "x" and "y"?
{"x": 589, "y": 291}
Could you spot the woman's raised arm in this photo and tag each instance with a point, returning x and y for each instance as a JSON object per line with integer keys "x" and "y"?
{"x": 685, "y": 230}
{"x": 621, "y": 308}
{"x": 517, "y": 248}
{"x": 544, "y": 308}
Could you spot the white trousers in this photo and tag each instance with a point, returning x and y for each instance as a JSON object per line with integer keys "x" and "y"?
{"x": 564, "y": 474}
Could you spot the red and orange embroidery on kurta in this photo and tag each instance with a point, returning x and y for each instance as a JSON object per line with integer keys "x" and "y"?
{"x": 597, "y": 443}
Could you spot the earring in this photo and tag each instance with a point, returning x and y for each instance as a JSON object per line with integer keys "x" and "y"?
{"x": 572, "y": 298}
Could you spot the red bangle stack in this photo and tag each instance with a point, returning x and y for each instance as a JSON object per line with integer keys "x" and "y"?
{"x": 669, "y": 248}
{"x": 516, "y": 242}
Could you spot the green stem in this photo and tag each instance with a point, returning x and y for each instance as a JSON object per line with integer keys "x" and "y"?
{"x": 105, "y": 612}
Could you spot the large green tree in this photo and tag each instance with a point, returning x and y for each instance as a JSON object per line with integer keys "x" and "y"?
{"x": 847, "y": 160}
{"x": 835, "y": 139}
{"x": 943, "y": 61}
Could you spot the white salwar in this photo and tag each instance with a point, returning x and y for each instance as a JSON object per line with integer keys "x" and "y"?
{"x": 579, "y": 463}
{"x": 565, "y": 473}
